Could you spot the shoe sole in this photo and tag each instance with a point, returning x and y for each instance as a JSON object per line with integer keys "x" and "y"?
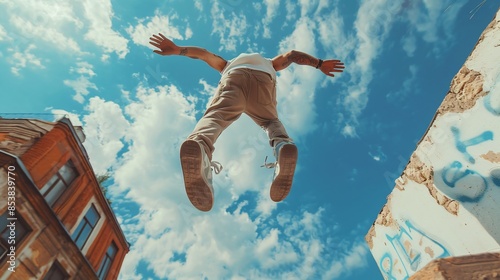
{"x": 197, "y": 188}
{"x": 282, "y": 184}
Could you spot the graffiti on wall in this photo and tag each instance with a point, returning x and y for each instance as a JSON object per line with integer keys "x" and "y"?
{"x": 463, "y": 177}
{"x": 463, "y": 182}
{"x": 409, "y": 250}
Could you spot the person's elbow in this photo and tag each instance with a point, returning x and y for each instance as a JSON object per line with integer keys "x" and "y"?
{"x": 282, "y": 61}
{"x": 291, "y": 53}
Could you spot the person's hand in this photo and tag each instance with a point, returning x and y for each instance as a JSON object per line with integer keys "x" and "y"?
{"x": 166, "y": 46}
{"x": 329, "y": 66}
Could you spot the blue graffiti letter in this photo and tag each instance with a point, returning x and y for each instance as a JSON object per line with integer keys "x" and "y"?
{"x": 462, "y": 145}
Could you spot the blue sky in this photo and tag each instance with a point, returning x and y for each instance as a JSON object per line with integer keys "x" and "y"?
{"x": 90, "y": 60}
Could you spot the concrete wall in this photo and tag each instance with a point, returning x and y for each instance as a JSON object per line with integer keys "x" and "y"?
{"x": 447, "y": 201}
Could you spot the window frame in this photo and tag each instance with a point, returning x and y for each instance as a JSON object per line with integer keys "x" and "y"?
{"x": 57, "y": 179}
{"x": 107, "y": 261}
{"x": 19, "y": 221}
{"x": 82, "y": 226}
{"x": 56, "y": 265}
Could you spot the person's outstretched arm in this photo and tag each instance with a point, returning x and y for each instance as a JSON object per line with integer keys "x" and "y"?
{"x": 282, "y": 61}
{"x": 167, "y": 47}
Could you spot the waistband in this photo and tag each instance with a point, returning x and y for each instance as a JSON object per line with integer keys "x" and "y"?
{"x": 249, "y": 71}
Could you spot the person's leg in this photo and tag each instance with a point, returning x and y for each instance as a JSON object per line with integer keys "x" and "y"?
{"x": 227, "y": 106}
{"x": 261, "y": 107}
{"x": 196, "y": 152}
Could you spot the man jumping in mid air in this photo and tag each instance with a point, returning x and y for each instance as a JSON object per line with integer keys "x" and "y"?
{"x": 248, "y": 85}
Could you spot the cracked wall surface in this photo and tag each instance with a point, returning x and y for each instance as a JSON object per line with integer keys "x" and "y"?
{"x": 447, "y": 200}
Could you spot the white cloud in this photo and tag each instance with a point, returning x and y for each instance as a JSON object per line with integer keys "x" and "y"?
{"x": 83, "y": 68}
{"x": 290, "y": 10}
{"x": 148, "y": 26}
{"x": 82, "y": 84}
{"x": 409, "y": 44}
{"x": 74, "y": 118}
{"x": 322, "y": 5}
{"x": 44, "y": 21}
{"x": 434, "y": 20}
{"x": 305, "y": 6}
{"x": 104, "y": 126}
{"x": 207, "y": 88}
{"x": 332, "y": 36}
{"x": 272, "y": 8}
{"x": 3, "y": 34}
{"x": 99, "y": 13}
{"x": 349, "y": 131}
{"x": 377, "y": 154}
{"x": 372, "y": 26}
{"x": 210, "y": 249}
{"x": 105, "y": 57}
{"x": 312, "y": 6}
{"x": 198, "y": 5}
{"x": 229, "y": 26}
{"x": 409, "y": 86}
{"x": 60, "y": 24}
{"x": 20, "y": 60}
{"x": 355, "y": 258}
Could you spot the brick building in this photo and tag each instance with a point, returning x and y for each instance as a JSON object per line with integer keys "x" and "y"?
{"x": 55, "y": 221}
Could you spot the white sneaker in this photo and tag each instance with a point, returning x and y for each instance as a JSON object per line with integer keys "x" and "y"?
{"x": 197, "y": 171}
{"x": 286, "y": 159}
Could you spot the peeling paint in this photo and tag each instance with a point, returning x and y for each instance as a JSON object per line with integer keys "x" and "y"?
{"x": 384, "y": 218}
{"x": 369, "y": 237}
{"x": 400, "y": 183}
{"x": 429, "y": 252}
{"x": 418, "y": 172}
{"x": 492, "y": 157}
{"x": 466, "y": 87}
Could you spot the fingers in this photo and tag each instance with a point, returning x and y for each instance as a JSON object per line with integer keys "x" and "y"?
{"x": 337, "y": 67}
{"x": 334, "y": 69}
{"x": 155, "y": 44}
{"x": 156, "y": 39}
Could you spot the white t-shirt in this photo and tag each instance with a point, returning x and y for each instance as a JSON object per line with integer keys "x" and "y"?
{"x": 252, "y": 61}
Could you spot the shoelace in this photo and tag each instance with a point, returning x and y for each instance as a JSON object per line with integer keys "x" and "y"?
{"x": 269, "y": 165}
{"x": 216, "y": 166}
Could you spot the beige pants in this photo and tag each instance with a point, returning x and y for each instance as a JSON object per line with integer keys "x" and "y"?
{"x": 241, "y": 91}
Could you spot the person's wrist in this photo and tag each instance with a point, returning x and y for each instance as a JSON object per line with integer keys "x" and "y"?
{"x": 320, "y": 62}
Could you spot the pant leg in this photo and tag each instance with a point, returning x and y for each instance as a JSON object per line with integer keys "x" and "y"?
{"x": 261, "y": 106}
{"x": 227, "y": 106}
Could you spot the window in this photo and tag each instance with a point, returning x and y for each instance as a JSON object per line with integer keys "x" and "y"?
{"x": 107, "y": 261}
{"x": 21, "y": 230}
{"x": 85, "y": 228}
{"x": 54, "y": 188}
{"x": 56, "y": 272}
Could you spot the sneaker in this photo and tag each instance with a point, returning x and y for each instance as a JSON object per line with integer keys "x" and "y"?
{"x": 284, "y": 168}
{"x": 197, "y": 171}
